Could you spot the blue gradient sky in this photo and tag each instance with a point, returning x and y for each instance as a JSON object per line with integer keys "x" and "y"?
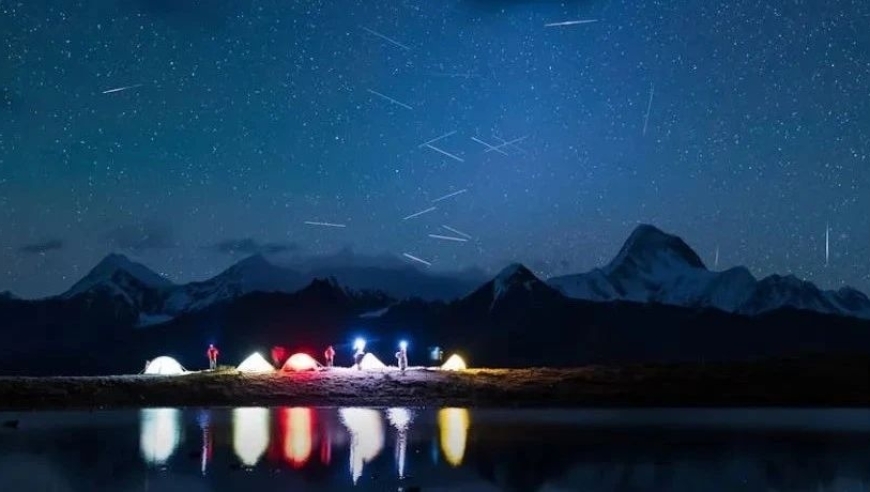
{"x": 253, "y": 117}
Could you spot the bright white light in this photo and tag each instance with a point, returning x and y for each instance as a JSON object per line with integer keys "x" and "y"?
{"x": 453, "y": 425}
{"x": 366, "y": 437}
{"x": 359, "y": 344}
{"x": 403, "y": 345}
{"x": 255, "y": 363}
{"x": 400, "y": 418}
{"x": 250, "y": 434}
{"x": 159, "y": 434}
{"x": 164, "y": 366}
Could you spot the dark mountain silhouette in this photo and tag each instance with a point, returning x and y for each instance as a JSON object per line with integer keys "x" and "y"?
{"x": 121, "y": 314}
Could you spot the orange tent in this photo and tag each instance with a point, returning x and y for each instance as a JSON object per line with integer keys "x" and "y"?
{"x": 300, "y": 362}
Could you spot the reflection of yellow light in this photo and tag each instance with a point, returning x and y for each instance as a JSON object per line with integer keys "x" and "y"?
{"x": 298, "y": 425}
{"x": 250, "y": 434}
{"x": 454, "y": 363}
{"x": 453, "y": 425}
{"x": 159, "y": 434}
{"x": 400, "y": 418}
{"x": 366, "y": 437}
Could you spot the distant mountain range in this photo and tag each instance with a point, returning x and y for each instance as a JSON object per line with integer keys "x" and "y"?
{"x": 654, "y": 301}
{"x": 654, "y": 267}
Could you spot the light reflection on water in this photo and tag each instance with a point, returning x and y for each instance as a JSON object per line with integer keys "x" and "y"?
{"x": 366, "y": 437}
{"x": 250, "y": 434}
{"x": 159, "y": 434}
{"x": 453, "y": 426}
{"x": 305, "y": 448}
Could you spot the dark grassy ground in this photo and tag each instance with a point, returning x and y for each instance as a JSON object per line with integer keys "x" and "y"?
{"x": 824, "y": 382}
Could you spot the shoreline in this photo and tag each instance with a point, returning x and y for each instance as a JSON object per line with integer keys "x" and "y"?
{"x": 828, "y": 382}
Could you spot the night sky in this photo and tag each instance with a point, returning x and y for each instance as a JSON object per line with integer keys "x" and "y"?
{"x": 243, "y": 120}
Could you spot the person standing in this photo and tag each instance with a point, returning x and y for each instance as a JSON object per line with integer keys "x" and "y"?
{"x": 402, "y": 355}
{"x": 212, "y": 354}
{"x": 359, "y": 353}
{"x": 329, "y": 355}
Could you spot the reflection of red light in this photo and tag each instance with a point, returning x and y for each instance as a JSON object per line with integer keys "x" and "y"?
{"x": 325, "y": 447}
{"x": 298, "y": 432}
{"x": 300, "y": 362}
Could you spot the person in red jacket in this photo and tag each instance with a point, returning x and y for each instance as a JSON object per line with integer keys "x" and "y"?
{"x": 212, "y": 354}
{"x": 329, "y": 355}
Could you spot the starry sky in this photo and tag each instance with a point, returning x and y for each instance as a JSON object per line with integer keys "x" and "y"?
{"x": 738, "y": 125}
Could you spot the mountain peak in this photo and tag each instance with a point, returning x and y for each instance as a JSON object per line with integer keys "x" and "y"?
{"x": 112, "y": 265}
{"x": 515, "y": 270}
{"x": 512, "y": 276}
{"x": 649, "y": 248}
{"x": 253, "y": 262}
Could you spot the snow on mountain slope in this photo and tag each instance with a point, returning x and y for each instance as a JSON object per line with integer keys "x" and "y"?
{"x": 656, "y": 267}
{"x": 119, "y": 274}
{"x": 253, "y": 274}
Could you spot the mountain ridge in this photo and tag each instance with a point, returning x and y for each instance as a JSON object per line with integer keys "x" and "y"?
{"x": 656, "y": 267}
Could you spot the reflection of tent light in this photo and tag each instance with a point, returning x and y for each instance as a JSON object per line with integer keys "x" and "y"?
{"x": 298, "y": 428}
{"x": 250, "y": 434}
{"x": 366, "y": 437}
{"x": 454, "y": 363}
{"x": 369, "y": 362}
{"x": 453, "y": 425}
{"x": 159, "y": 434}
{"x": 164, "y": 366}
{"x": 300, "y": 362}
{"x": 400, "y": 418}
{"x": 255, "y": 363}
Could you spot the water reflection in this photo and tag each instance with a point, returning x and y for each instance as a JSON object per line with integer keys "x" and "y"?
{"x": 453, "y": 426}
{"x": 250, "y": 434}
{"x": 400, "y": 419}
{"x": 298, "y": 434}
{"x": 207, "y": 443}
{"x": 511, "y": 450}
{"x": 159, "y": 434}
{"x": 366, "y": 437}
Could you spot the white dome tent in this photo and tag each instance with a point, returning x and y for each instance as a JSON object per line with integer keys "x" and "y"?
{"x": 370, "y": 362}
{"x": 255, "y": 363}
{"x": 164, "y": 366}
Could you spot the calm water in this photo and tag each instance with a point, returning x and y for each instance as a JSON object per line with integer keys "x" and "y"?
{"x": 448, "y": 449}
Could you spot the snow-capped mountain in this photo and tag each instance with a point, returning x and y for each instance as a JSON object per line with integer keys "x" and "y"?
{"x": 515, "y": 286}
{"x": 118, "y": 274}
{"x": 253, "y": 274}
{"x": 655, "y": 267}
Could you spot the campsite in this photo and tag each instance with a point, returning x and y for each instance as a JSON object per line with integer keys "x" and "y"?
{"x": 820, "y": 382}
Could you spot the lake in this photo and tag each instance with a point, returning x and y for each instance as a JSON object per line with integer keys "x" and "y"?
{"x": 381, "y": 449}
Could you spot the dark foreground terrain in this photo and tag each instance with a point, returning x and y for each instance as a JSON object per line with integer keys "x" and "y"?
{"x": 786, "y": 382}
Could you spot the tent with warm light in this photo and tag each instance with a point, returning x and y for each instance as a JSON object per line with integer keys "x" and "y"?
{"x": 301, "y": 362}
{"x": 369, "y": 362}
{"x": 454, "y": 363}
{"x": 255, "y": 363}
{"x": 164, "y": 366}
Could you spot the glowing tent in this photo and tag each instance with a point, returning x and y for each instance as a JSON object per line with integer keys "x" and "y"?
{"x": 369, "y": 362}
{"x": 454, "y": 363}
{"x": 164, "y": 366}
{"x": 301, "y": 362}
{"x": 255, "y": 363}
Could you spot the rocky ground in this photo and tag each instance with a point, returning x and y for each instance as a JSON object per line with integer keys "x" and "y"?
{"x": 788, "y": 382}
